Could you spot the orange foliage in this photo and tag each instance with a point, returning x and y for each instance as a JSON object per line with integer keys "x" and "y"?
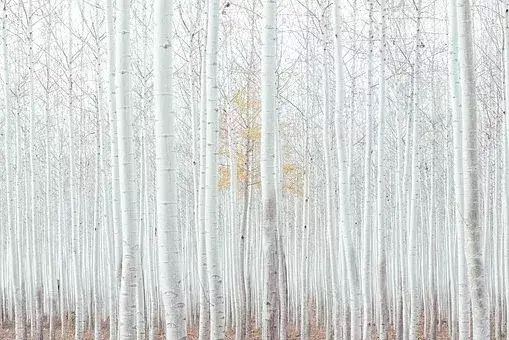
{"x": 224, "y": 177}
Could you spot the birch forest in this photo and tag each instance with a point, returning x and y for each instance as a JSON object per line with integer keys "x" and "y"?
{"x": 254, "y": 169}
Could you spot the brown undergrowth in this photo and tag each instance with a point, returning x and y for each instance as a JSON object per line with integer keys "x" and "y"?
{"x": 315, "y": 333}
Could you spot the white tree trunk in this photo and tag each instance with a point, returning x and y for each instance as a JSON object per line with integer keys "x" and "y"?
{"x": 344, "y": 195}
{"x": 269, "y": 215}
{"x": 367, "y": 213}
{"x": 35, "y": 227}
{"x": 19, "y": 307}
{"x": 204, "y": 327}
{"x": 74, "y": 208}
{"x": 128, "y": 197}
{"x": 215, "y": 277}
{"x": 116, "y": 238}
{"x": 413, "y": 222}
{"x": 506, "y": 159}
{"x": 380, "y": 224}
{"x": 21, "y": 328}
{"x": 329, "y": 207}
{"x": 170, "y": 281}
{"x": 471, "y": 170}
{"x": 455, "y": 95}
{"x": 51, "y": 233}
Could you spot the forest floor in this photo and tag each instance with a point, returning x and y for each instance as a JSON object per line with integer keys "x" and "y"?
{"x": 316, "y": 333}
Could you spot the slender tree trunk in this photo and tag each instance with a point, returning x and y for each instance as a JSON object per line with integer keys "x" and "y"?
{"x": 74, "y": 207}
{"x": 367, "y": 218}
{"x": 100, "y": 210}
{"x": 269, "y": 219}
{"x": 381, "y": 293}
{"x": 215, "y": 277}
{"x": 471, "y": 171}
{"x": 21, "y": 313}
{"x": 97, "y": 224}
{"x": 52, "y": 253}
{"x": 116, "y": 230}
{"x": 331, "y": 232}
{"x": 413, "y": 221}
{"x": 128, "y": 197}
{"x": 140, "y": 288}
{"x": 243, "y": 327}
{"x": 35, "y": 227}
{"x": 506, "y": 161}
{"x": 344, "y": 195}
{"x": 12, "y": 219}
{"x": 170, "y": 281}
{"x": 204, "y": 327}
{"x": 455, "y": 95}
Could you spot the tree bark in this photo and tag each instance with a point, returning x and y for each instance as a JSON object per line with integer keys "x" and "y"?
{"x": 471, "y": 171}
{"x": 215, "y": 277}
{"x": 455, "y": 95}
{"x": 170, "y": 278}
{"x": 269, "y": 214}
{"x": 346, "y": 229}
{"x": 127, "y": 176}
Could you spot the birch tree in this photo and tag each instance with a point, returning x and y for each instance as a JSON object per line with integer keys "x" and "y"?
{"x": 344, "y": 200}
{"x": 506, "y": 145}
{"x": 381, "y": 232}
{"x": 168, "y": 233}
{"x": 12, "y": 219}
{"x": 268, "y": 83}
{"x": 130, "y": 239}
{"x": 215, "y": 280}
{"x": 455, "y": 94}
{"x": 217, "y": 183}
{"x": 470, "y": 167}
